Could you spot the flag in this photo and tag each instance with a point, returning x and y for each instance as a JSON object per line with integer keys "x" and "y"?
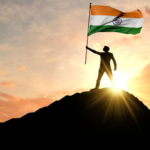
{"x": 108, "y": 19}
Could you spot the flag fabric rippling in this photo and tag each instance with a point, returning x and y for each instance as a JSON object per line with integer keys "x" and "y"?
{"x": 108, "y": 19}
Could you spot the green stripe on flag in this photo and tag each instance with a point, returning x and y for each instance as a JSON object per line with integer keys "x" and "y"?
{"x": 109, "y": 28}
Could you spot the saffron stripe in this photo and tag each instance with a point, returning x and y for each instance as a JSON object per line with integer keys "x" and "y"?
{"x": 109, "y": 11}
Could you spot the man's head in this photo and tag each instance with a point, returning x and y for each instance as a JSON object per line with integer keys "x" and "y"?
{"x": 106, "y": 48}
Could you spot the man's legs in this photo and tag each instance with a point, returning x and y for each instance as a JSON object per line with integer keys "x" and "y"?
{"x": 100, "y": 74}
{"x": 110, "y": 75}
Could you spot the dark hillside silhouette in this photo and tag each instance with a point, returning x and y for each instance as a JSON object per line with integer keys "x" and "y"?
{"x": 89, "y": 116}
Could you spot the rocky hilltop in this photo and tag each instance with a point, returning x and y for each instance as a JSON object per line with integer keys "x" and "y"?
{"x": 87, "y": 116}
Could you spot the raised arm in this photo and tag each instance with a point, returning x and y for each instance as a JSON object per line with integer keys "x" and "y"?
{"x": 114, "y": 61}
{"x": 93, "y": 50}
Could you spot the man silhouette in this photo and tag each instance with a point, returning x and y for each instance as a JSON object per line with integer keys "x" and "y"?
{"x": 105, "y": 64}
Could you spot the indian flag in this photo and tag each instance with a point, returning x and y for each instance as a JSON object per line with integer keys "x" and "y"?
{"x": 108, "y": 19}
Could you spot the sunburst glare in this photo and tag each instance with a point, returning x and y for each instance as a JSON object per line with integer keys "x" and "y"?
{"x": 120, "y": 81}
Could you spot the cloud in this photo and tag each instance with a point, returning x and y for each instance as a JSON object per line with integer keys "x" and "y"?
{"x": 22, "y": 67}
{"x": 140, "y": 84}
{"x": 147, "y": 10}
{"x": 15, "y": 107}
{"x": 129, "y": 40}
{"x": 7, "y": 84}
{"x": 144, "y": 77}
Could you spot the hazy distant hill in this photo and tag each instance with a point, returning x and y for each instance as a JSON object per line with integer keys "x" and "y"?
{"x": 88, "y": 116}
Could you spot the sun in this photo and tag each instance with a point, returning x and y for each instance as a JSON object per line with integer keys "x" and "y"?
{"x": 120, "y": 81}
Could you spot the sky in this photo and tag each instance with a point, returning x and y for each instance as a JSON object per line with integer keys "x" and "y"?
{"x": 42, "y": 53}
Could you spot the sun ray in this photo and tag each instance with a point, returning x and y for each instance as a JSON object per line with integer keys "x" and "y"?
{"x": 132, "y": 114}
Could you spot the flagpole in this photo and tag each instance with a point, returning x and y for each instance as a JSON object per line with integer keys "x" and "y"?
{"x": 87, "y": 33}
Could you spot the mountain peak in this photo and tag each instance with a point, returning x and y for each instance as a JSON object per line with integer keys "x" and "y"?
{"x": 94, "y": 114}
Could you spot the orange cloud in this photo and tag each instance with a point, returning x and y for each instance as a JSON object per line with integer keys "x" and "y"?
{"x": 16, "y": 107}
{"x": 22, "y": 67}
{"x": 8, "y": 84}
{"x": 147, "y": 10}
{"x": 133, "y": 39}
{"x": 7, "y": 97}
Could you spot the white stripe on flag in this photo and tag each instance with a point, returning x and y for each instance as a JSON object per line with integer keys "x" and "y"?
{"x": 99, "y": 20}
